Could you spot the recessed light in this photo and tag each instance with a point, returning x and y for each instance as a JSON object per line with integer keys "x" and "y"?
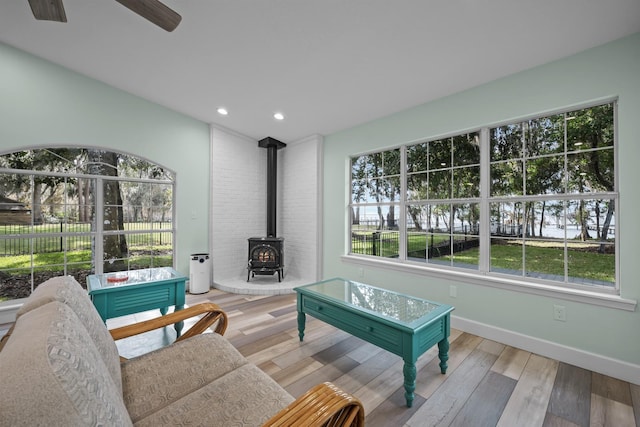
{"x": 278, "y": 116}
{"x": 222, "y": 111}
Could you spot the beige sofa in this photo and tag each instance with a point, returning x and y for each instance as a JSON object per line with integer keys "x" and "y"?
{"x": 59, "y": 365}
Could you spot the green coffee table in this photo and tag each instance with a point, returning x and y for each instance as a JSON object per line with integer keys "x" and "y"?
{"x": 127, "y": 292}
{"x": 402, "y": 324}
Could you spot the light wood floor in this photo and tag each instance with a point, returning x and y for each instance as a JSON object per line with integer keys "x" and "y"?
{"x": 487, "y": 383}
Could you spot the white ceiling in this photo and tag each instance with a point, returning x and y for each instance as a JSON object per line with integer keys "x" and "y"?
{"x": 326, "y": 64}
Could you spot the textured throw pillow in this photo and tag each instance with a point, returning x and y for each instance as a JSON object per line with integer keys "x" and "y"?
{"x": 52, "y": 374}
{"x": 67, "y": 290}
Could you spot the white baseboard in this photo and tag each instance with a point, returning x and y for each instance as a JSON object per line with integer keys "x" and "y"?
{"x": 594, "y": 362}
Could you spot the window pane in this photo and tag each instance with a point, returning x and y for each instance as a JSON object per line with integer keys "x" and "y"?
{"x": 78, "y": 254}
{"x": 466, "y": 218}
{"x": 441, "y": 218}
{"x": 150, "y": 250}
{"x": 365, "y": 166}
{"x": 466, "y": 149}
{"x": 418, "y": 221}
{"x": 544, "y": 259}
{"x": 417, "y": 186}
{"x": 359, "y": 190}
{"x": 506, "y": 142}
{"x": 440, "y": 154}
{"x": 506, "y": 178}
{"x": 545, "y": 175}
{"x": 417, "y": 245}
{"x": 592, "y": 263}
{"x": 590, "y": 219}
{"x": 370, "y": 230}
{"x": 545, "y": 219}
{"x": 544, "y": 135}
{"x": 375, "y": 165}
{"x": 506, "y": 255}
{"x": 507, "y": 219}
{"x": 439, "y": 248}
{"x": 359, "y": 167}
{"x": 15, "y": 204}
{"x": 590, "y": 128}
{"x": 439, "y": 185}
{"x": 417, "y": 156}
{"x": 466, "y": 182}
{"x": 591, "y": 171}
{"x": 465, "y": 239}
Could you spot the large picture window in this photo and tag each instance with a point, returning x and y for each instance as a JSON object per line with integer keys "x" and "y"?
{"x": 77, "y": 211}
{"x": 534, "y": 200}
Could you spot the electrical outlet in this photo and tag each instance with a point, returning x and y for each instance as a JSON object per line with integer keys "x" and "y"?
{"x": 453, "y": 291}
{"x": 559, "y": 313}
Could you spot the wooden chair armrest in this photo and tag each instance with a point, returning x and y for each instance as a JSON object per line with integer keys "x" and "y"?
{"x": 211, "y": 311}
{"x": 6, "y": 336}
{"x": 323, "y": 405}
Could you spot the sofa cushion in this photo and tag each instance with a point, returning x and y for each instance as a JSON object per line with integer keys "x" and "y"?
{"x": 243, "y": 397}
{"x": 67, "y": 290}
{"x": 159, "y": 378}
{"x": 53, "y": 374}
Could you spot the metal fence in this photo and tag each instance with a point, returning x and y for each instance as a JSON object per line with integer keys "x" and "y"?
{"x": 387, "y": 243}
{"x": 24, "y": 240}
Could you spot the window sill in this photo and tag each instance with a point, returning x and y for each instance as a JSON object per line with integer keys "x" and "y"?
{"x": 477, "y": 278}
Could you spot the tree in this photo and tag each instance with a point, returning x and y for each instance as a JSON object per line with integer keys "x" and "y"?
{"x": 590, "y": 140}
{"x": 105, "y": 163}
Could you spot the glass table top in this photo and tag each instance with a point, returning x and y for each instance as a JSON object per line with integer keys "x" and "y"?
{"x": 132, "y": 277}
{"x": 397, "y": 306}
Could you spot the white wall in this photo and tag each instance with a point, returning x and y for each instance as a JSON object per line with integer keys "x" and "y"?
{"x": 299, "y": 204}
{"x": 238, "y": 200}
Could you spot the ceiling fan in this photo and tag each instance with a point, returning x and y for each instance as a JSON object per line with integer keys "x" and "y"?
{"x": 152, "y": 10}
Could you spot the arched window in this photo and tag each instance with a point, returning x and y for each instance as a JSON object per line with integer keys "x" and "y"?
{"x": 80, "y": 211}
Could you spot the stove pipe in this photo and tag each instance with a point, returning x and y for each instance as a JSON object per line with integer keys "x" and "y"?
{"x": 272, "y": 145}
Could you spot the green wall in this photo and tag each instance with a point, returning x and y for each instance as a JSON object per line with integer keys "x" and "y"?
{"x": 612, "y": 70}
{"x": 44, "y": 104}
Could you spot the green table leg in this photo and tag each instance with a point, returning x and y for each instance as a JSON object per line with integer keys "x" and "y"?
{"x": 302, "y": 318}
{"x": 178, "y": 326}
{"x": 443, "y": 354}
{"x": 409, "y": 372}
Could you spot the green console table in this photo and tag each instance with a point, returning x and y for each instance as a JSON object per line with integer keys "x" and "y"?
{"x": 127, "y": 292}
{"x": 402, "y": 324}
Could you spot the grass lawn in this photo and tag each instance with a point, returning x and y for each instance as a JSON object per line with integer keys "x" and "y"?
{"x": 542, "y": 257}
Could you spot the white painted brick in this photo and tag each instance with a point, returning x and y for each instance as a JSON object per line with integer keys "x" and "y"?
{"x": 239, "y": 203}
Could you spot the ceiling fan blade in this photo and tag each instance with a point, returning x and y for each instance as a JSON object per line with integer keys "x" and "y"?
{"x": 154, "y": 11}
{"x": 48, "y": 10}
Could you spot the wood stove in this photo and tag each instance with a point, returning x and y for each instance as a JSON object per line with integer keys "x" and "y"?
{"x": 266, "y": 254}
